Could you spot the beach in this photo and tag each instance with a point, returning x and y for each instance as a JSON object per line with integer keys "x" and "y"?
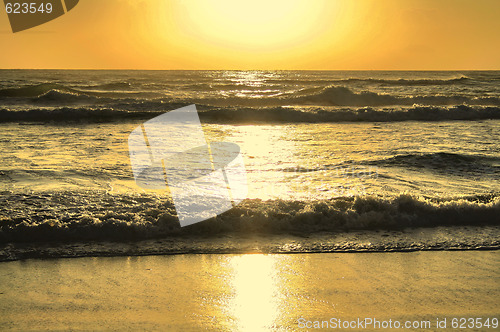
{"x": 222, "y": 165}
{"x": 372, "y": 197}
{"x": 248, "y": 292}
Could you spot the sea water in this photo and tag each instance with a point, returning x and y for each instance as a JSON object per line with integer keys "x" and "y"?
{"x": 324, "y": 151}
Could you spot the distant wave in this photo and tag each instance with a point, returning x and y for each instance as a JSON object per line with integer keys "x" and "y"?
{"x": 61, "y": 94}
{"x": 73, "y": 216}
{"x": 286, "y": 83}
{"x": 408, "y": 82}
{"x": 34, "y": 90}
{"x": 208, "y": 94}
{"x": 399, "y": 82}
{"x": 146, "y": 110}
{"x": 40, "y": 90}
{"x": 342, "y": 96}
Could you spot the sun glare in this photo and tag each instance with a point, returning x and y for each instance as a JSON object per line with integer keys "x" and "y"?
{"x": 252, "y": 25}
{"x": 254, "y": 305}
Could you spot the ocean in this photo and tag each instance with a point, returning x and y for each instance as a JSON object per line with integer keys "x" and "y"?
{"x": 335, "y": 161}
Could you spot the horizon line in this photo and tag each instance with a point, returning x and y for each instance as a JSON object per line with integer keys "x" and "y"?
{"x": 129, "y": 69}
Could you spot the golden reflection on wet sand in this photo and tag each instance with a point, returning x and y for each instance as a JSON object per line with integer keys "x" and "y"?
{"x": 255, "y": 304}
{"x": 252, "y": 292}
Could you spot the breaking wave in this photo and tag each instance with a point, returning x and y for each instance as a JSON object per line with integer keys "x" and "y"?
{"x": 78, "y": 216}
{"x": 71, "y": 114}
{"x": 147, "y": 110}
{"x": 291, "y": 115}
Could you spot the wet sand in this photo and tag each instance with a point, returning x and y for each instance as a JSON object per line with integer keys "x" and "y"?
{"x": 247, "y": 292}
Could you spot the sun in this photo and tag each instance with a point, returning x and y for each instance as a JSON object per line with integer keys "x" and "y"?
{"x": 253, "y": 25}
{"x": 245, "y": 34}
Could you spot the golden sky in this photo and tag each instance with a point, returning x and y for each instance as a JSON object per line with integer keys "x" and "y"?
{"x": 262, "y": 34}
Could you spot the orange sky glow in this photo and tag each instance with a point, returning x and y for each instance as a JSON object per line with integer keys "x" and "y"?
{"x": 262, "y": 34}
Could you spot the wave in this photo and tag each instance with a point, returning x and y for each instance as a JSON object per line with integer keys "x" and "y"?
{"x": 35, "y": 90}
{"x": 51, "y": 93}
{"x": 79, "y": 216}
{"x": 59, "y": 96}
{"x": 408, "y": 82}
{"x": 443, "y": 161}
{"x": 39, "y": 90}
{"x": 147, "y": 110}
{"x": 338, "y": 96}
{"x": 342, "y": 96}
{"x": 208, "y": 94}
{"x": 439, "y": 162}
{"x": 68, "y": 114}
{"x": 295, "y": 115}
{"x": 395, "y": 82}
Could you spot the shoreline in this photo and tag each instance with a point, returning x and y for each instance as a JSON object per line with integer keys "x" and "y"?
{"x": 442, "y": 238}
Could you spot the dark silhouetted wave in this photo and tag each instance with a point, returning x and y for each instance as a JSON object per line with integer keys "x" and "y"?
{"x": 60, "y": 94}
{"x": 437, "y": 160}
{"x": 88, "y": 216}
{"x": 147, "y": 110}
{"x": 408, "y": 82}
{"x": 34, "y": 90}
{"x": 397, "y": 82}
{"x": 342, "y": 96}
{"x": 296, "y": 115}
